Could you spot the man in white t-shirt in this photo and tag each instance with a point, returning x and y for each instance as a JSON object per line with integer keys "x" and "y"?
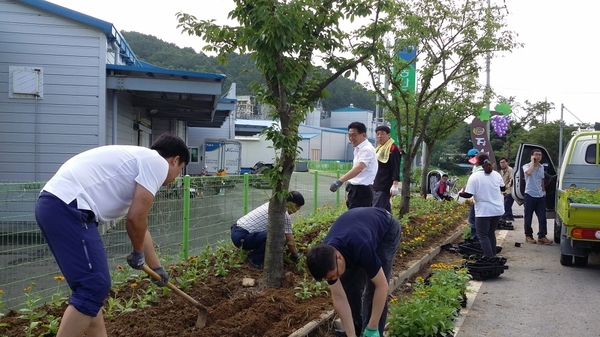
{"x": 103, "y": 184}
{"x": 364, "y": 169}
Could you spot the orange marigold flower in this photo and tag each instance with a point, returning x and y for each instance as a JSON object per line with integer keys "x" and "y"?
{"x": 133, "y": 285}
{"x": 27, "y": 288}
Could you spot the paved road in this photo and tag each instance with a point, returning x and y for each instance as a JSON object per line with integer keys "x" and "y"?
{"x": 536, "y": 296}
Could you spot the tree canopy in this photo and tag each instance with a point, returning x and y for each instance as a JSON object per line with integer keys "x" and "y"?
{"x": 284, "y": 40}
{"x": 450, "y": 38}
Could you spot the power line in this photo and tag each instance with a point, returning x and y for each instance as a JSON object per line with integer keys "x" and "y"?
{"x": 580, "y": 121}
{"x": 554, "y": 92}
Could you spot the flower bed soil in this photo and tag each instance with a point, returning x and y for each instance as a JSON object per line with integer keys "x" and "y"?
{"x": 234, "y": 310}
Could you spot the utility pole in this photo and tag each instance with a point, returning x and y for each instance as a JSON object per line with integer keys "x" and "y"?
{"x": 487, "y": 64}
{"x": 560, "y": 135}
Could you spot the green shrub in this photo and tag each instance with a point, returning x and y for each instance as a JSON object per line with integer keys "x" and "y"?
{"x": 433, "y": 306}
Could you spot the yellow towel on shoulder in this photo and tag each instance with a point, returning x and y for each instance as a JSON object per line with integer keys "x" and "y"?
{"x": 383, "y": 151}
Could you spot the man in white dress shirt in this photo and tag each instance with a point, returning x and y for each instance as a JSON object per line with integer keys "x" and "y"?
{"x": 364, "y": 169}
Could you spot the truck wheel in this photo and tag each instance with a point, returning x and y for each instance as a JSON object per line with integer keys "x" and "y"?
{"x": 557, "y": 229}
{"x": 566, "y": 260}
{"x": 581, "y": 261}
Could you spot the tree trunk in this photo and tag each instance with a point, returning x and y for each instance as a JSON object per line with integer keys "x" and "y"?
{"x": 406, "y": 168}
{"x": 274, "y": 250}
{"x": 425, "y": 169}
{"x": 273, "y": 265}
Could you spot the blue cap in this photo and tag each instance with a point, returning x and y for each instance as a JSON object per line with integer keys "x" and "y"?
{"x": 472, "y": 152}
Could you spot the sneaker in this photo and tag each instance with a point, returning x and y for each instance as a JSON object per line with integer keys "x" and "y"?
{"x": 545, "y": 241}
{"x": 254, "y": 265}
{"x": 530, "y": 239}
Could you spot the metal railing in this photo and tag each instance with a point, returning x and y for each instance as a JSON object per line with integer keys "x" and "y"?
{"x": 185, "y": 218}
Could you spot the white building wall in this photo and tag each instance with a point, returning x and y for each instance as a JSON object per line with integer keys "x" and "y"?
{"x": 255, "y": 149}
{"x": 331, "y": 144}
{"x": 305, "y": 147}
{"x": 334, "y": 146}
{"x": 69, "y": 118}
{"x": 126, "y": 135}
{"x": 341, "y": 120}
{"x": 196, "y": 137}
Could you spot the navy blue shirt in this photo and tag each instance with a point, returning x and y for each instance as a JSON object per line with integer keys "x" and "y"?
{"x": 356, "y": 235}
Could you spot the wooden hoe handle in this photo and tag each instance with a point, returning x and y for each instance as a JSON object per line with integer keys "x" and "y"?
{"x": 176, "y": 290}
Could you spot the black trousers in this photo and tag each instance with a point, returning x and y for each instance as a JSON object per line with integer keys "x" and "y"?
{"x": 359, "y": 196}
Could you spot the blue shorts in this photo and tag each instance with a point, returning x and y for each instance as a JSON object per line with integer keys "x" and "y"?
{"x": 76, "y": 244}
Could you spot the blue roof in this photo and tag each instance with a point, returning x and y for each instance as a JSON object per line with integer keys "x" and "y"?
{"x": 307, "y": 135}
{"x": 113, "y": 35}
{"x": 350, "y": 108}
{"x": 254, "y": 122}
{"x": 149, "y": 68}
{"x": 324, "y": 129}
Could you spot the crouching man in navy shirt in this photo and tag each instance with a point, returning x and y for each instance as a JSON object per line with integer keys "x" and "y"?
{"x": 356, "y": 259}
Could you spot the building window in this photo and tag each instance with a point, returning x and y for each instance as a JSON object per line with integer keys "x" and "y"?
{"x": 193, "y": 154}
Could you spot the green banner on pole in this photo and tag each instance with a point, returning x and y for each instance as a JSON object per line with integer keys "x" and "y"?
{"x": 408, "y": 75}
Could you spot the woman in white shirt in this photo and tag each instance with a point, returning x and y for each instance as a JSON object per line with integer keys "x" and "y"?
{"x": 486, "y": 186}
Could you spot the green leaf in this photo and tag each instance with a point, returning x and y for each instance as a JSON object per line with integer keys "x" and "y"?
{"x": 484, "y": 114}
{"x": 504, "y": 108}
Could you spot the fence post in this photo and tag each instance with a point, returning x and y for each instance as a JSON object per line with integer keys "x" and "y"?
{"x": 316, "y": 189}
{"x": 246, "y": 187}
{"x": 337, "y": 193}
{"x": 186, "y": 216}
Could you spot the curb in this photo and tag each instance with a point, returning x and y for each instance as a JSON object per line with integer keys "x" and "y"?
{"x": 394, "y": 284}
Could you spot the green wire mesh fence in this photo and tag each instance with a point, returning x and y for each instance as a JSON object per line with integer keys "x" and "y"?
{"x": 185, "y": 217}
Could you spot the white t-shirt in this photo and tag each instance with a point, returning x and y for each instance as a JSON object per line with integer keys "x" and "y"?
{"x": 486, "y": 192}
{"x": 103, "y": 179}
{"x": 365, "y": 153}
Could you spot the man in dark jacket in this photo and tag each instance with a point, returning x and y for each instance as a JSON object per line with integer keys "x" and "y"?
{"x": 388, "y": 173}
{"x": 356, "y": 259}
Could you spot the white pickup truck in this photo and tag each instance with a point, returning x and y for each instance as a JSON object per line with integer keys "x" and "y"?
{"x": 576, "y": 224}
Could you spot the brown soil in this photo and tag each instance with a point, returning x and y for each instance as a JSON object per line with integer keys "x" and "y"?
{"x": 234, "y": 310}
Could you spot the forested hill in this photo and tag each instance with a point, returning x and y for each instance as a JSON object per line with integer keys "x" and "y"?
{"x": 239, "y": 69}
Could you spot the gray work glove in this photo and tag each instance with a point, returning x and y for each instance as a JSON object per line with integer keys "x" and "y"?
{"x": 136, "y": 259}
{"x": 296, "y": 256}
{"x": 164, "y": 277}
{"x": 336, "y": 184}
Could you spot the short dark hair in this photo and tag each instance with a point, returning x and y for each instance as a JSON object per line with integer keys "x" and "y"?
{"x": 320, "y": 260}
{"x": 444, "y": 175}
{"x": 168, "y": 145}
{"x": 503, "y": 158}
{"x": 360, "y": 127}
{"x": 296, "y": 197}
{"x": 383, "y": 128}
{"x": 536, "y": 150}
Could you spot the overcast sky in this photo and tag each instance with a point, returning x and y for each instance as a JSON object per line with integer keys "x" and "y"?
{"x": 558, "y": 62}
